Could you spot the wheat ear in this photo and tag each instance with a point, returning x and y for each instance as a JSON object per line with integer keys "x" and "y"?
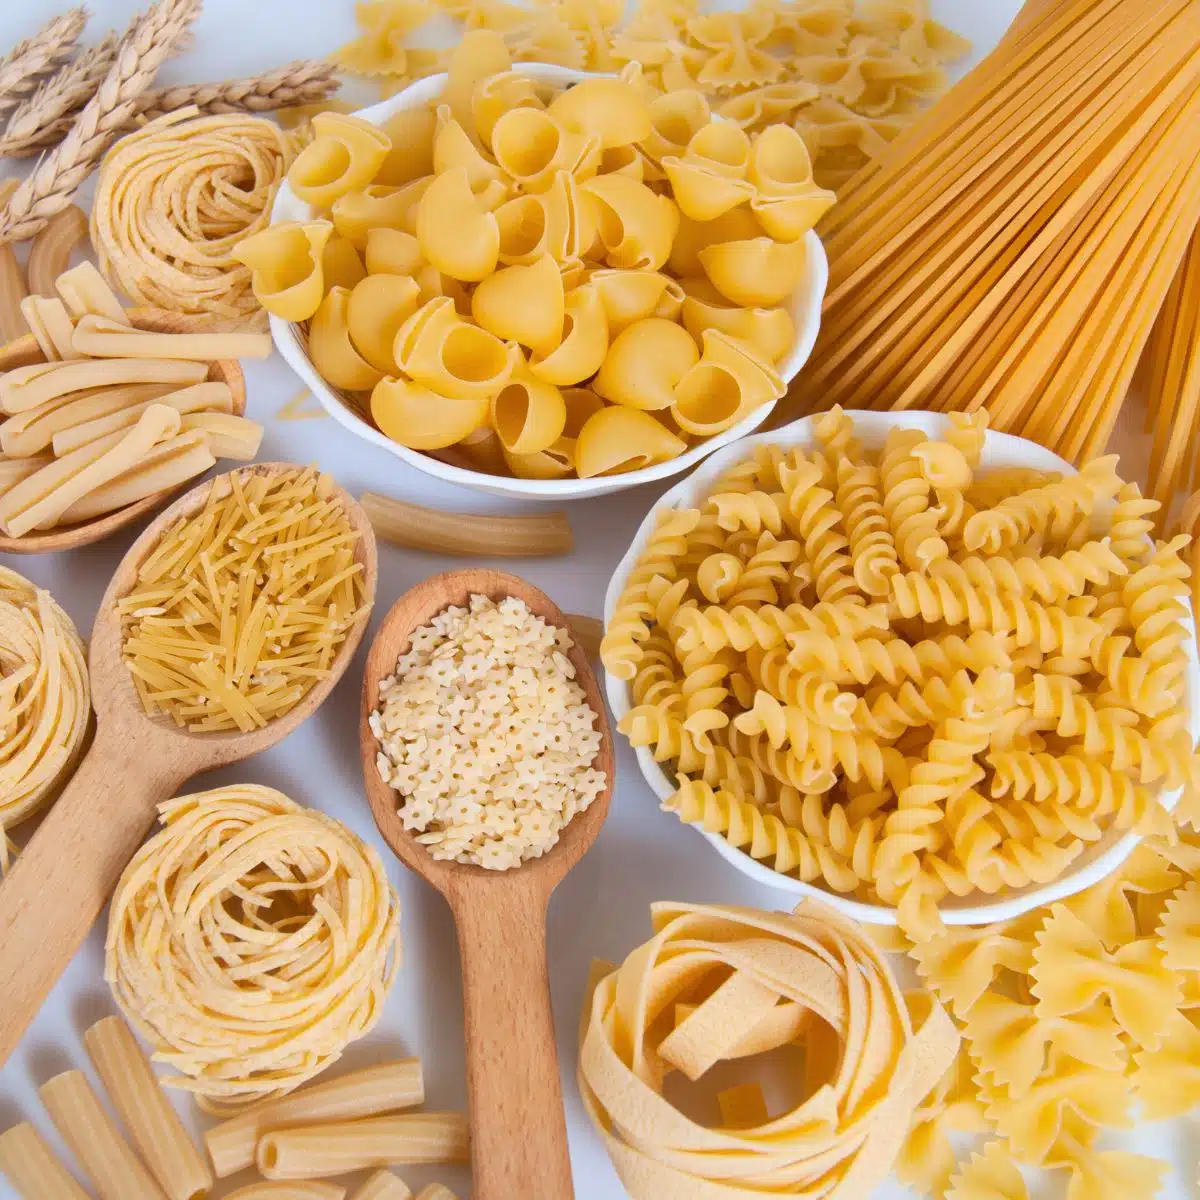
{"x": 304, "y": 82}
{"x": 147, "y": 45}
{"x": 21, "y": 70}
{"x": 45, "y": 117}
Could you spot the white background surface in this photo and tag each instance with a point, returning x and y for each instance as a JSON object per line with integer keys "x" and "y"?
{"x": 642, "y": 854}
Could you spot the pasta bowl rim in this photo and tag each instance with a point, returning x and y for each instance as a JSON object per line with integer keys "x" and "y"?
{"x": 805, "y": 306}
{"x": 1099, "y": 860}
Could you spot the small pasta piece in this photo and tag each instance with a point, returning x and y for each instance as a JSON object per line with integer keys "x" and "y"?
{"x": 100, "y": 337}
{"x": 524, "y": 304}
{"x": 286, "y": 264}
{"x": 345, "y": 153}
{"x": 728, "y": 382}
{"x": 341, "y": 265}
{"x": 333, "y": 351}
{"x": 436, "y": 1191}
{"x": 32, "y": 1168}
{"x": 636, "y": 226}
{"x": 645, "y": 364}
{"x": 437, "y": 348}
{"x": 376, "y": 310}
{"x": 50, "y": 251}
{"x": 457, "y": 236}
{"x": 757, "y": 272}
{"x": 610, "y": 109}
{"x": 422, "y": 419}
{"x": 619, "y": 439}
{"x": 310, "y": 1190}
{"x": 583, "y": 342}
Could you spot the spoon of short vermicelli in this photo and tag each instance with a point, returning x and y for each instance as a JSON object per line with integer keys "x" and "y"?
{"x": 64, "y": 877}
{"x": 518, "y": 1129}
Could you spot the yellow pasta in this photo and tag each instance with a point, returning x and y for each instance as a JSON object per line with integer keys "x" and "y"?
{"x": 421, "y": 419}
{"x": 645, "y": 363}
{"x": 32, "y": 1169}
{"x": 619, "y": 439}
{"x": 635, "y": 226}
{"x": 457, "y": 235}
{"x": 411, "y": 156}
{"x": 344, "y": 155}
{"x": 584, "y": 340}
{"x": 757, "y": 272}
{"x": 610, "y": 109}
{"x": 84, "y": 291}
{"x": 392, "y": 252}
{"x": 333, "y": 352}
{"x": 286, "y": 262}
{"x": 439, "y": 349}
{"x": 524, "y": 304}
{"x": 101, "y": 337}
{"x": 383, "y": 1185}
{"x": 528, "y": 414}
{"x": 771, "y": 331}
{"x": 729, "y": 381}
{"x": 341, "y": 263}
{"x": 376, "y": 310}
{"x": 310, "y": 1190}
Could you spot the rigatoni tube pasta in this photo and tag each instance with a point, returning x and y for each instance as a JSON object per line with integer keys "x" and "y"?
{"x": 32, "y": 1168}
{"x": 383, "y": 1185}
{"x": 273, "y": 1190}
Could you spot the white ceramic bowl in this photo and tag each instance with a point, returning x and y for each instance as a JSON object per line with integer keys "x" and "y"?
{"x": 805, "y": 308}
{"x": 1001, "y": 450}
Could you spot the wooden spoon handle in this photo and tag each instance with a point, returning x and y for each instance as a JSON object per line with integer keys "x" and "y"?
{"x": 518, "y": 1127}
{"x": 62, "y": 880}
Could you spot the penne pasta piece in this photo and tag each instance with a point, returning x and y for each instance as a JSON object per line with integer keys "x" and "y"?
{"x": 146, "y": 1112}
{"x": 383, "y": 1088}
{"x": 314, "y": 1151}
{"x": 32, "y": 1168}
{"x": 50, "y": 251}
{"x": 101, "y": 337}
{"x": 24, "y": 388}
{"x": 85, "y": 292}
{"x": 51, "y": 326}
{"x": 268, "y": 1190}
{"x": 419, "y": 528}
{"x": 227, "y": 436}
{"x": 383, "y": 1185}
{"x": 587, "y": 632}
{"x": 89, "y": 1132}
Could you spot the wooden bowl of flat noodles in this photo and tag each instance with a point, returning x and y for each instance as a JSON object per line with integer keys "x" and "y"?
{"x": 25, "y": 352}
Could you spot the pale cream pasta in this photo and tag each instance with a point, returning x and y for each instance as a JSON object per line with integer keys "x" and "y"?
{"x": 383, "y": 1185}
{"x": 32, "y": 1168}
{"x": 268, "y": 1190}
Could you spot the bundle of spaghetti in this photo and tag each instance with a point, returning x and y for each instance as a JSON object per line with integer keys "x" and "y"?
{"x": 1045, "y": 203}
{"x": 45, "y": 707}
{"x": 242, "y": 607}
{"x": 249, "y": 942}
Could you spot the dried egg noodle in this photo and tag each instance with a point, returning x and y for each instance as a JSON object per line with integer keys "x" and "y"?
{"x": 174, "y": 198}
{"x": 44, "y": 700}
{"x": 241, "y": 608}
{"x": 249, "y": 942}
{"x": 718, "y": 983}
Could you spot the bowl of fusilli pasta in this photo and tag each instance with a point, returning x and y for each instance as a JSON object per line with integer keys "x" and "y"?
{"x": 930, "y": 673}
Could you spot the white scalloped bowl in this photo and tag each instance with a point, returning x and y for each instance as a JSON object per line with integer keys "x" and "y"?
{"x": 1001, "y": 450}
{"x": 805, "y": 307}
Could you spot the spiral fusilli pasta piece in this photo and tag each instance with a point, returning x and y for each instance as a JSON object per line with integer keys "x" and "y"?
{"x": 906, "y": 501}
{"x": 873, "y": 556}
{"x": 850, "y": 660}
{"x": 818, "y": 521}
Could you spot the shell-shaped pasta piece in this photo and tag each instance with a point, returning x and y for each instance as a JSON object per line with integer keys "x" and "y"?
{"x": 341, "y": 265}
{"x": 285, "y": 265}
{"x": 779, "y": 163}
{"x": 528, "y": 414}
{"x": 457, "y": 236}
{"x": 379, "y": 305}
{"x": 675, "y": 118}
{"x": 345, "y": 154}
{"x": 701, "y": 193}
{"x": 574, "y": 272}
{"x": 375, "y": 205}
{"x": 720, "y": 147}
{"x": 522, "y": 225}
{"x": 479, "y": 54}
{"x": 583, "y": 344}
{"x": 729, "y": 381}
{"x": 441, "y": 350}
{"x": 523, "y": 304}
{"x": 630, "y": 296}
{"x": 580, "y": 403}
{"x": 555, "y": 462}
{"x": 757, "y": 272}
{"x": 531, "y": 147}
{"x": 411, "y": 157}
{"x": 331, "y": 350}
{"x": 483, "y": 452}
{"x": 613, "y": 110}
{"x": 766, "y": 105}
{"x": 630, "y": 161}
{"x": 434, "y": 284}
{"x": 617, "y": 439}
{"x": 645, "y": 362}
{"x": 733, "y": 226}
{"x": 453, "y": 148}
{"x": 392, "y": 252}
{"x": 570, "y": 224}
{"x": 790, "y": 218}
{"x": 635, "y": 225}
{"x": 499, "y": 94}
{"x": 771, "y": 331}
{"x": 422, "y": 419}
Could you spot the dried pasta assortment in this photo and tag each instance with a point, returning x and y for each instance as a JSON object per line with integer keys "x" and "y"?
{"x": 250, "y": 941}
{"x": 721, "y": 983}
{"x": 45, "y": 705}
{"x": 848, "y": 76}
{"x": 904, "y": 677}
{"x": 486, "y": 735}
{"x": 242, "y": 607}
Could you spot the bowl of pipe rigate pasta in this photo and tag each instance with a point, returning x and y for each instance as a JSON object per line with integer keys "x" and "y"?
{"x": 927, "y": 672}
{"x": 540, "y": 282}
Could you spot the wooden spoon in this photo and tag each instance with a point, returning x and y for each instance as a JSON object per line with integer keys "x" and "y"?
{"x": 65, "y": 876}
{"x": 518, "y": 1129}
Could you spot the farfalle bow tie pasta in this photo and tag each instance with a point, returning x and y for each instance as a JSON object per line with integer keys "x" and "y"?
{"x": 720, "y": 983}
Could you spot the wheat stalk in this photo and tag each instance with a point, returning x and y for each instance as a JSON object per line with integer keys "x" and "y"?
{"x": 22, "y": 68}
{"x": 45, "y": 117}
{"x": 304, "y": 82}
{"x": 149, "y": 42}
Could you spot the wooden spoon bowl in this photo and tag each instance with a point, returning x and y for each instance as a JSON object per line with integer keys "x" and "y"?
{"x": 25, "y": 352}
{"x": 518, "y": 1129}
{"x": 66, "y": 875}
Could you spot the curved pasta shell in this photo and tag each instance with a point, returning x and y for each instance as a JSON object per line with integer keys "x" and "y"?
{"x": 531, "y": 146}
{"x": 735, "y": 225}
{"x": 570, "y": 227}
{"x": 720, "y": 147}
{"x": 340, "y": 264}
{"x": 615, "y": 440}
{"x": 645, "y": 362}
{"x": 555, "y": 462}
{"x": 729, "y": 381}
{"x": 453, "y": 148}
{"x": 345, "y": 154}
{"x": 584, "y": 341}
{"x": 411, "y": 157}
{"x": 528, "y": 414}
{"x": 392, "y": 252}
{"x": 630, "y": 296}
{"x": 757, "y": 272}
{"x": 441, "y": 350}
{"x": 611, "y": 109}
{"x": 379, "y": 305}
{"x": 523, "y": 304}
{"x": 574, "y": 272}
{"x": 434, "y": 284}
{"x": 580, "y": 403}
{"x": 635, "y": 225}
{"x": 483, "y": 451}
{"x": 456, "y": 235}
{"x": 331, "y": 350}
{"x": 771, "y": 331}
{"x": 497, "y": 95}
{"x": 790, "y": 218}
{"x": 374, "y": 206}
{"x": 285, "y": 265}
{"x": 779, "y": 163}
{"x": 701, "y": 193}
{"x": 420, "y": 418}
{"x": 628, "y": 161}
{"x": 479, "y": 54}
{"x": 675, "y": 118}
